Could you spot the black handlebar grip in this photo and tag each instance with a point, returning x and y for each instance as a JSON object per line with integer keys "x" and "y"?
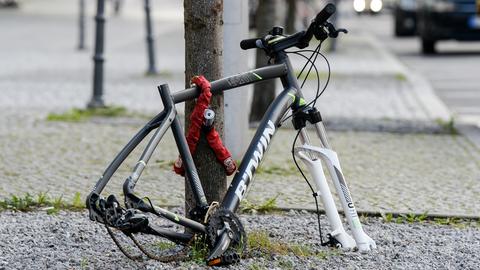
{"x": 247, "y": 44}
{"x": 325, "y": 13}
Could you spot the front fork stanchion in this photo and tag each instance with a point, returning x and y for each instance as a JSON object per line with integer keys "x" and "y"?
{"x": 338, "y": 232}
{"x": 309, "y": 155}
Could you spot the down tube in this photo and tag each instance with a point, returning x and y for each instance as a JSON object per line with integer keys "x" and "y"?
{"x": 257, "y": 148}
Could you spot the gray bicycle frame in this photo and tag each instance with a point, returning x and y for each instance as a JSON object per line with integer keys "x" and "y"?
{"x": 168, "y": 118}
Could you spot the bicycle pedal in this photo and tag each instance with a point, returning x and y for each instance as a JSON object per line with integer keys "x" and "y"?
{"x": 226, "y": 259}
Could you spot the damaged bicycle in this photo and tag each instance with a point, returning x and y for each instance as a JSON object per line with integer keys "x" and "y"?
{"x": 218, "y": 224}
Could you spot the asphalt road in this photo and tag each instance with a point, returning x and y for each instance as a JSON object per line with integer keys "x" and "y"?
{"x": 454, "y": 72}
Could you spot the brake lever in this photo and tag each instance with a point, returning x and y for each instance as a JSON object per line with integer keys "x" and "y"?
{"x": 332, "y": 32}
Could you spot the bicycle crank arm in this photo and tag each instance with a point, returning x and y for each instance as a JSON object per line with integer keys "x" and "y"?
{"x": 363, "y": 242}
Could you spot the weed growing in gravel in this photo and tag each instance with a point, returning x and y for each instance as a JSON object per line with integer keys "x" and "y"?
{"x": 455, "y": 222}
{"x": 77, "y": 201}
{"x": 43, "y": 200}
{"x": 164, "y": 245}
{"x": 387, "y": 217}
{"x": 260, "y": 242}
{"x": 269, "y": 205}
{"x": 425, "y": 218}
{"x": 199, "y": 250}
{"x": 400, "y": 77}
{"x": 448, "y": 126}
{"x": 257, "y": 266}
{"x": 84, "y": 263}
{"x": 402, "y": 218}
{"x": 78, "y": 115}
{"x": 285, "y": 264}
{"x": 18, "y": 203}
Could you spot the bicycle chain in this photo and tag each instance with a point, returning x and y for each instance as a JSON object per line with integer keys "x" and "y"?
{"x": 182, "y": 255}
{"x": 137, "y": 258}
{"x": 179, "y": 256}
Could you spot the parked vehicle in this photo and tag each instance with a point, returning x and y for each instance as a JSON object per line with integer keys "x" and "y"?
{"x": 405, "y": 16}
{"x": 367, "y": 6}
{"x": 447, "y": 19}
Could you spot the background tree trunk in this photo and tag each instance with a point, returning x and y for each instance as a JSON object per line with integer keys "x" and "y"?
{"x": 291, "y": 15}
{"x": 264, "y": 92}
{"x": 203, "y": 56}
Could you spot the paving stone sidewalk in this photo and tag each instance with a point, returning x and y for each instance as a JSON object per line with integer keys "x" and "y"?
{"x": 40, "y": 72}
{"x": 438, "y": 174}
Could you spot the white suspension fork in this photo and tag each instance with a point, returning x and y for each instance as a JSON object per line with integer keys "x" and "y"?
{"x": 338, "y": 232}
{"x": 309, "y": 155}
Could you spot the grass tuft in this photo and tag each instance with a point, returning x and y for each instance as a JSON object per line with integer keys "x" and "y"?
{"x": 259, "y": 242}
{"x": 43, "y": 200}
{"x": 79, "y": 115}
{"x": 400, "y": 77}
{"x": 448, "y": 126}
{"x": 199, "y": 250}
{"x": 269, "y": 205}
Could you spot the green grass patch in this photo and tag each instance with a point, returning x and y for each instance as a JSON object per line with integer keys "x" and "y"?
{"x": 448, "y": 126}
{"x": 199, "y": 250}
{"x": 260, "y": 242}
{"x": 165, "y": 245}
{"x": 269, "y": 205}
{"x": 42, "y": 200}
{"x": 410, "y": 218}
{"x": 257, "y": 266}
{"x": 404, "y": 218}
{"x": 79, "y": 115}
{"x": 400, "y": 77}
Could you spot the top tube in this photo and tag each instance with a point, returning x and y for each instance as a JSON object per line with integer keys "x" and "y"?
{"x": 249, "y": 77}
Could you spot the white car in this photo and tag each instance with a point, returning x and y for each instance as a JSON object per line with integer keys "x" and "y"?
{"x": 367, "y": 6}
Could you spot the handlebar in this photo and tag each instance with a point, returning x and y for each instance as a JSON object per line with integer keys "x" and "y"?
{"x": 325, "y": 14}
{"x": 250, "y": 43}
{"x": 300, "y": 39}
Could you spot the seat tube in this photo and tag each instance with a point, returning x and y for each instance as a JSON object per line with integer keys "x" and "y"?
{"x": 190, "y": 170}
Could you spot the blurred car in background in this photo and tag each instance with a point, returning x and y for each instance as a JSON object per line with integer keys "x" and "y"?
{"x": 405, "y": 16}
{"x": 367, "y": 6}
{"x": 447, "y": 19}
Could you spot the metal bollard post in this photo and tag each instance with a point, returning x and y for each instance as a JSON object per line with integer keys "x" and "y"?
{"x": 150, "y": 40}
{"x": 98, "y": 59}
{"x": 81, "y": 25}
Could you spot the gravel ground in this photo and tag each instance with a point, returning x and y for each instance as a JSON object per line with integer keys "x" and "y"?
{"x": 69, "y": 240}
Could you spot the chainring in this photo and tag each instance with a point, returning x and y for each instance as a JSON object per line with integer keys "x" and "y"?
{"x": 238, "y": 243}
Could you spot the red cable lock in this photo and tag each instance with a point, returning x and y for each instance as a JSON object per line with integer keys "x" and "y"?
{"x": 213, "y": 138}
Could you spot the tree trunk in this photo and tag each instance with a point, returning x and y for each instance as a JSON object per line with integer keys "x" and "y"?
{"x": 291, "y": 16}
{"x": 264, "y": 92}
{"x": 203, "y": 56}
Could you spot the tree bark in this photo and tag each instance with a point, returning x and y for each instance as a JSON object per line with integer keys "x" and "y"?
{"x": 203, "y": 56}
{"x": 264, "y": 92}
{"x": 291, "y": 16}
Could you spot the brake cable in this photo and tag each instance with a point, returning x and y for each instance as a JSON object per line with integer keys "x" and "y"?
{"x": 318, "y": 93}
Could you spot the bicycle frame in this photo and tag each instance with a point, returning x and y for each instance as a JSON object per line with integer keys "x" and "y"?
{"x": 268, "y": 126}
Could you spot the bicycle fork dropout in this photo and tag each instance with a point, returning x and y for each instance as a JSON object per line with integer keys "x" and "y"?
{"x": 313, "y": 156}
